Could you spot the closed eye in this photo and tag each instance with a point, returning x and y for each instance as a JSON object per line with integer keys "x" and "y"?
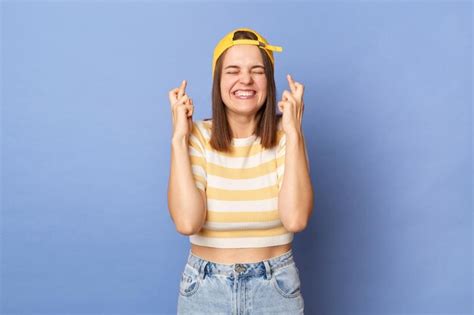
{"x": 255, "y": 72}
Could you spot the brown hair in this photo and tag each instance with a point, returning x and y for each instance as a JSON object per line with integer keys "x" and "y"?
{"x": 267, "y": 118}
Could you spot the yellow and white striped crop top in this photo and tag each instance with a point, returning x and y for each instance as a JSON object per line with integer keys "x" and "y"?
{"x": 242, "y": 190}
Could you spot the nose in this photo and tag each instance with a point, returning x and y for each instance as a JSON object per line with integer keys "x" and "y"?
{"x": 246, "y": 78}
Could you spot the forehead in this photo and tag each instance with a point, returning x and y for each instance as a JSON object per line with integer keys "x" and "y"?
{"x": 243, "y": 55}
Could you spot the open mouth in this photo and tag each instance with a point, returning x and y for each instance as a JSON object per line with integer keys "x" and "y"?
{"x": 245, "y": 94}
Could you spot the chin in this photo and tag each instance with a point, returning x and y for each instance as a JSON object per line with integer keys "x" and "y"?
{"x": 239, "y": 111}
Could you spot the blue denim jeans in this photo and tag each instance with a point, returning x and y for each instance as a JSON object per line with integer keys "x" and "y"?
{"x": 267, "y": 287}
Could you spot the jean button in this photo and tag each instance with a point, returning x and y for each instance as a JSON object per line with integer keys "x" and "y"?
{"x": 240, "y": 268}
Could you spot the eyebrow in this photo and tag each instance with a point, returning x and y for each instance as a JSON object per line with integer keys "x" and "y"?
{"x": 235, "y": 66}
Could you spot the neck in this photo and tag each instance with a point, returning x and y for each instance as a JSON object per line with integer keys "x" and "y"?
{"x": 242, "y": 126}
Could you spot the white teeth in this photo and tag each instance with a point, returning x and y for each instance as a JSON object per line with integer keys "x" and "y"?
{"x": 244, "y": 93}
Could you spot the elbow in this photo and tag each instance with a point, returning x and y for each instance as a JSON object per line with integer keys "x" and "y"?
{"x": 297, "y": 223}
{"x": 296, "y": 226}
{"x": 184, "y": 229}
{"x": 189, "y": 221}
{"x": 187, "y": 229}
{"x": 182, "y": 226}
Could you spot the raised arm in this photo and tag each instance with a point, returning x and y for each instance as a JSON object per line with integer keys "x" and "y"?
{"x": 186, "y": 202}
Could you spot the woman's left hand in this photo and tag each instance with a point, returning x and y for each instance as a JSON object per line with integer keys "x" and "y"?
{"x": 292, "y": 107}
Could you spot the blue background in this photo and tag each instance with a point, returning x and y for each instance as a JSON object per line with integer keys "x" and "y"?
{"x": 86, "y": 129}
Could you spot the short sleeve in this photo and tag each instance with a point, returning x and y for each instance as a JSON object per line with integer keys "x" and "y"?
{"x": 280, "y": 157}
{"x": 196, "y": 149}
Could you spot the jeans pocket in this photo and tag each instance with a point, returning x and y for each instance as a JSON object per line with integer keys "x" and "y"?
{"x": 286, "y": 281}
{"x": 190, "y": 281}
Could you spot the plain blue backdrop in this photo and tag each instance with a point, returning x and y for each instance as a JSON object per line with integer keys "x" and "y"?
{"x": 86, "y": 129}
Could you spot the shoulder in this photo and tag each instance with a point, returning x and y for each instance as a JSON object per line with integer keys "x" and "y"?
{"x": 201, "y": 129}
{"x": 200, "y": 123}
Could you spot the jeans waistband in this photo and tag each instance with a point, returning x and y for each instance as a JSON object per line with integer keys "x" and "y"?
{"x": 264, "y": 267}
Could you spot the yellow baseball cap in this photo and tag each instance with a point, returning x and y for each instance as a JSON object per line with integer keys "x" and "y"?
{"x": 227, "y": 41}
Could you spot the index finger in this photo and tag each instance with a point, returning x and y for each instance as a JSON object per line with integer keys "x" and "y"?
{"x": 291, "y": 82}
{"x": 181, "y": 89}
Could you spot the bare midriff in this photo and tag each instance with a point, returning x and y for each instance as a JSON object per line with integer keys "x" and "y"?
{"x": 239, "y": 255}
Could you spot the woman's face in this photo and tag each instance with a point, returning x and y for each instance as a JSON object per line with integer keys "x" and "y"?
{"x": 243, "y": 82}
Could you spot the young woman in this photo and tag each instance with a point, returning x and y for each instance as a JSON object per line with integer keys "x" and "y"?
{"x": 239, "y": 185}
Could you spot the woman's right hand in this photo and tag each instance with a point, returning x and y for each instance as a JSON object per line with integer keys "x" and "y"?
{"x": 182, "y": 108}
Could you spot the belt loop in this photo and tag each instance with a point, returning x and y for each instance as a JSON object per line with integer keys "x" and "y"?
{"x": 203, "y": 268}
{"x": 267, "y": 269}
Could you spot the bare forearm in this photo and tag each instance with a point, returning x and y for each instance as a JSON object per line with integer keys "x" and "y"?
{"x": 185, "y": 202}
{"x": 295, "y": 200}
